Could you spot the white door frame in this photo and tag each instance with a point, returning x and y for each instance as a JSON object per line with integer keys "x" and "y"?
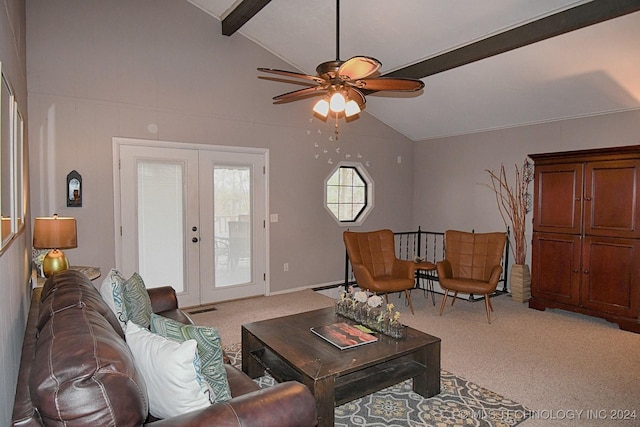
{"x": 118, "y": 141}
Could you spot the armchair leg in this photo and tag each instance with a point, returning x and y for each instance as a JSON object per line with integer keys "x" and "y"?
{"x": 489, "y": 308}
{"x": 444, "y": 301}
{"x": 408, "y": 294}
{"x": 455, "y": 295}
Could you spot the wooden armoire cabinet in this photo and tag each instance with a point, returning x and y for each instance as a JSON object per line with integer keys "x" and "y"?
{"x": 586, "y": 233}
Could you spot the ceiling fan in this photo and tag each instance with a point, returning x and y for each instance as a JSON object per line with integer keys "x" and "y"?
{"x": 342, "y": 83}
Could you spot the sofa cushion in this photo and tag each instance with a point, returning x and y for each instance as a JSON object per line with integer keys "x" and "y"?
{"x": 137, "y": 301}
{"x": 82, "y": 371}
{"x": 170, "y": 370}
{"x": 112, "y": 291}
{"x": 209, "y": 348}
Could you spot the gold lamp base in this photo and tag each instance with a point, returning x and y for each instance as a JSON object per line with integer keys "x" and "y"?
{"x": 54, "y": 262}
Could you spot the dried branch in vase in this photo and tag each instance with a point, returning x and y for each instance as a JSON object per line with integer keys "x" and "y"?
{"x": 513, "y": 205}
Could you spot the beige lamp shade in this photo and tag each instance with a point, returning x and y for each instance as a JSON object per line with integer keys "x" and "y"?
{"x": 55, "y": 233}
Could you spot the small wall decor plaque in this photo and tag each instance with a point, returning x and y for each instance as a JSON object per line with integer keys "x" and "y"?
{"x": 74, "y": 190}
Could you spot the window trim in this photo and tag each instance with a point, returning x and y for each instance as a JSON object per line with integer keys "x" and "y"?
{"x": 369, "y": 199}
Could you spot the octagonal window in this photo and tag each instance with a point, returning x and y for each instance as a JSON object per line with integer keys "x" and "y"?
{"x": 349, "y": 193}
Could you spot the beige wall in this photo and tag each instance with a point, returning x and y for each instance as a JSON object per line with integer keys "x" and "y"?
{"x": 14, "y": 259}
{"x": 450, "y": 180}
{"x": 126, "y": 68}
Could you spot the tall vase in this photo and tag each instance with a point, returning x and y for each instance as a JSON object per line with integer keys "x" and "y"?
{"x": 520, "y": 280}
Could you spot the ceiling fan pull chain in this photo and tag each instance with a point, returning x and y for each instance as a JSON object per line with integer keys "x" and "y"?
{"x": 336, "y": 130}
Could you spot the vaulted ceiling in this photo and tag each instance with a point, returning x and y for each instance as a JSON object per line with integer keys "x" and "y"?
{"x": 486, "y": 65}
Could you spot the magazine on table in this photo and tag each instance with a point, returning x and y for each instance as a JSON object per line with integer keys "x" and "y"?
{"x": 343, "y": 335}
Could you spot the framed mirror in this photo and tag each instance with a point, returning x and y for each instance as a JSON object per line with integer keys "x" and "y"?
{"x": 74, "y": 189}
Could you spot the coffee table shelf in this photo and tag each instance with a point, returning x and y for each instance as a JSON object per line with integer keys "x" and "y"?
{"x": 369, "y": 380}
{"x": 276, "y": 367}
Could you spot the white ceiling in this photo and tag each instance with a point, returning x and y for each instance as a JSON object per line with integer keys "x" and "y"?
{"x": 590, "y": 71}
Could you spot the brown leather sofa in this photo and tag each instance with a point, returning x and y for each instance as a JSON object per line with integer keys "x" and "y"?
{"x": 76, "y": 369}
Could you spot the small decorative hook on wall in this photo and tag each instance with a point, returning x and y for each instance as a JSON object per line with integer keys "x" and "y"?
{"x": 74, "y": 190}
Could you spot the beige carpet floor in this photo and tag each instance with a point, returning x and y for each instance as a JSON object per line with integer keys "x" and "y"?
{"x": 572, "y": 370}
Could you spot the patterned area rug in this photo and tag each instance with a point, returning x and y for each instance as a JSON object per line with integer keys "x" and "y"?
{"x": 460, "y": 403}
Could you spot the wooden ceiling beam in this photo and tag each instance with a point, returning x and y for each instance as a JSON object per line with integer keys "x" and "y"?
{"x": 241, "y": 14}
{"x": 581, "y": 16}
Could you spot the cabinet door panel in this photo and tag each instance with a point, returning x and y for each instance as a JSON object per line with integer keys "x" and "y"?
{"x": 556, "y": 267}
{"x": 558, "y": 198}
{"x": 611, "y": 206}
{"x": 610, "y": 275}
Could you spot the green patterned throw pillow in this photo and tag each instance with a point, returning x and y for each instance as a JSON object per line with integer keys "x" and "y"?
{"x": 137, "y": 301}
{"x": 209, "y": 349}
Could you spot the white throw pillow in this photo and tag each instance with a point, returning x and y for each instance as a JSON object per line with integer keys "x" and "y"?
{"x": 209, "y": 348}
{"x": 112, "y": 291}
{"x": 170, "y": 371}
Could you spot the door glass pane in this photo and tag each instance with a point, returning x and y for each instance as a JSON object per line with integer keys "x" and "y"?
{"x": 160, "y": 223}
{"x": 232, "y": 225}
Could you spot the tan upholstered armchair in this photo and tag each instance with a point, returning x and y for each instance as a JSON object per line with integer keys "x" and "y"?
{"x": 375, "y": 265}
{"x": 472, "y": 265}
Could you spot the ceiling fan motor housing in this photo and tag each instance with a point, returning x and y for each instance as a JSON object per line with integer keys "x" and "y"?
{"x": 328, "y": 70}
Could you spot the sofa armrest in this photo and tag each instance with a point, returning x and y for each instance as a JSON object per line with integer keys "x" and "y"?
{"x": 163, "y": 298}
{"x": 24, "y": 413}
{"x": 288, "y": 404}
{"x": 165, "y": 303}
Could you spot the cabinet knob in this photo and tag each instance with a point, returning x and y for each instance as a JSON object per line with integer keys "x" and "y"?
{"x": 586, "y": 272}
{"x": 576, "y": 271}
{"x": 588, "y": 199}
{"x": 194, "y": 240}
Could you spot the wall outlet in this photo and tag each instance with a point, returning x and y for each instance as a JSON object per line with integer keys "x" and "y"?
{"x": 286, "y": 266}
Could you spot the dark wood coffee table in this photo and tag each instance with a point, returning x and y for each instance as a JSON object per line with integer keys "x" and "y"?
{"x": 288, "y": 350}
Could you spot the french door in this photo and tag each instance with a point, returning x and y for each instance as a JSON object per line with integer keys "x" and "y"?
{"x": 193, "y": 217}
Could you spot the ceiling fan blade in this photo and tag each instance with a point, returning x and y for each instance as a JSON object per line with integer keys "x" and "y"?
{"x": 291, "y": 74}
{"x": 389, "y": 83}
{"x": 355, "y": 95}
{"x": 300, "y": 93}
{"x": 359, "y": 67}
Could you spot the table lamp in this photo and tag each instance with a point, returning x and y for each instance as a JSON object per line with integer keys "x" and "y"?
{"x": 54, "y": 233}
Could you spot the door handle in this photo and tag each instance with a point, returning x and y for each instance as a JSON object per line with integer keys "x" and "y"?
{"x": 194, "y": 240}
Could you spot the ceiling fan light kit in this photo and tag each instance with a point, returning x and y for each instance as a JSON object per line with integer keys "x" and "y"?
{"x": 336, "y": 103}
{"x": 342, "y": 83}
